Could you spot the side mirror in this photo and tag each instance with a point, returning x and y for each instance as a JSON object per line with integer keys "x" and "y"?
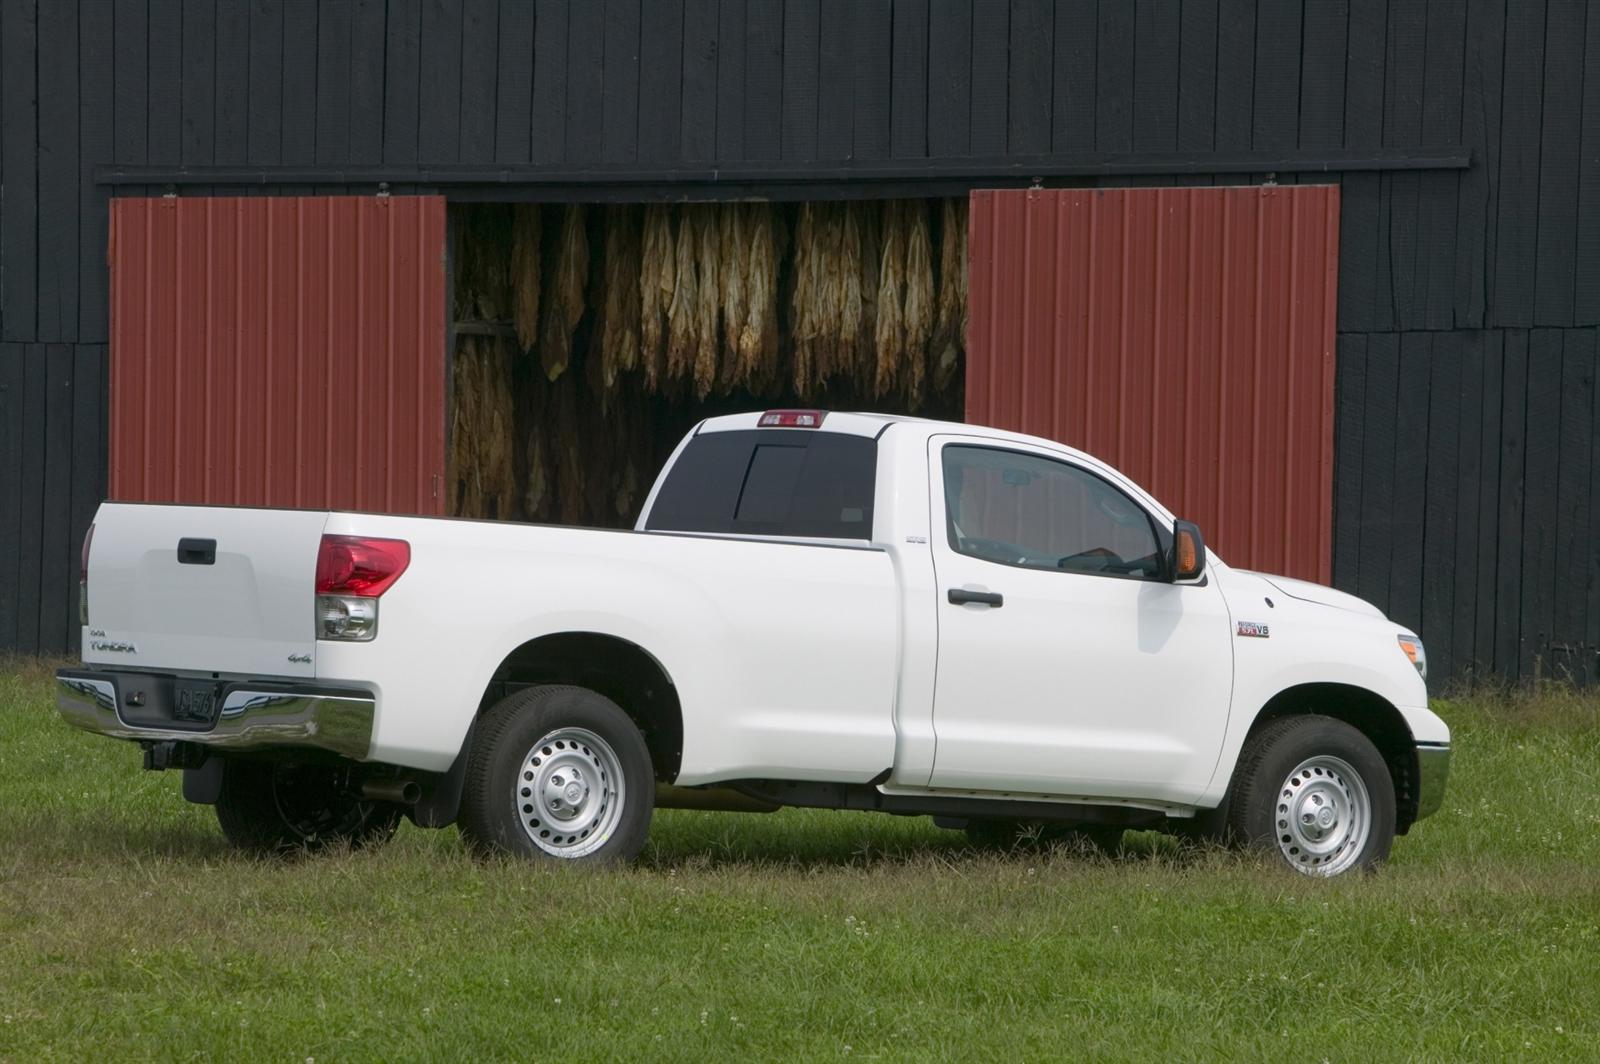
{"x": 1188, "y": 552}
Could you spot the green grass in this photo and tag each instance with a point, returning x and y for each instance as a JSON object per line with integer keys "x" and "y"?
{"x": 127, "y": 929}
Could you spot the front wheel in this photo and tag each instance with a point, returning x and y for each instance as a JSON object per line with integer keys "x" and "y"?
{"x": 558, "y": 772}
{"x": 1316, "y": 792}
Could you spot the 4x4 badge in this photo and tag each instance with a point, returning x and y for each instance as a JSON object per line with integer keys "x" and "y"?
{"x": 1254, "y": 628}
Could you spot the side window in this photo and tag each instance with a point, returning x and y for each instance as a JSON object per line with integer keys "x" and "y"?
{"x": 1021, "y": 509}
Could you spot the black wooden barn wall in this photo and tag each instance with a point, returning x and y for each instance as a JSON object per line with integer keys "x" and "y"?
{"x": 1469, "y": 298}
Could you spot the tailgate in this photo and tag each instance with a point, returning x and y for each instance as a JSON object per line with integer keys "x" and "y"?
{"x": 201, "y": 588}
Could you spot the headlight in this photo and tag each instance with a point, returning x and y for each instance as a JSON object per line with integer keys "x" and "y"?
{"x": 1413, "y": 649}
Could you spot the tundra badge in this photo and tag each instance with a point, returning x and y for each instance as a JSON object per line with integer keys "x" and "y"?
{"x": 101, "y": 643}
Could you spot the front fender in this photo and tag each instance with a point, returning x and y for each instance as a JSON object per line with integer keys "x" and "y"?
{"x": 1310, "y": 643}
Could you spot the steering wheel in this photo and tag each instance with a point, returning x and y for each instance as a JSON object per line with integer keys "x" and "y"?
{"x": 1094, "y": 560}
{"x": 994, "y": 550}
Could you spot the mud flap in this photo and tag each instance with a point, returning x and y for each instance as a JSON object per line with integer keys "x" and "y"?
{"x": 441, "y": 792}
{"x": 203, "y": 785}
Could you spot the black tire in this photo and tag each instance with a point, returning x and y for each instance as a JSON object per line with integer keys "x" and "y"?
{"x": 1264, "y": 796}
{"x": 499, "y": 812}
{"x": 1003, "y": 834}
{"x": 267, "y": 807}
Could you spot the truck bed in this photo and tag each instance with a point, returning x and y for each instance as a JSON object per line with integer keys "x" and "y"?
{"x": 774, "y": 646}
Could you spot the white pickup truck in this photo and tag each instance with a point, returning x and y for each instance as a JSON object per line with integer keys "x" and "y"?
{"x": 833, "y": 610}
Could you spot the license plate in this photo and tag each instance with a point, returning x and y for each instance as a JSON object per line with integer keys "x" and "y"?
{"x": 194, "y": 701}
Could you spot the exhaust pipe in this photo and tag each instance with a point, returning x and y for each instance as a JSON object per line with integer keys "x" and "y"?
{"x": 402, "y": 792}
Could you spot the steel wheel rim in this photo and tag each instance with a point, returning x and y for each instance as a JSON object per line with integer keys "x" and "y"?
{"x": 569, "y": 792}
{"x": 1323, "y": 816}
{"x": 313, "y": 806}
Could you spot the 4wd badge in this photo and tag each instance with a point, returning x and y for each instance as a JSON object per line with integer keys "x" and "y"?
{"x": 1254, "y": 628}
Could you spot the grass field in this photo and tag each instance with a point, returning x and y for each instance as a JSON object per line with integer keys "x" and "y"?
{"x": 127, "y": 929}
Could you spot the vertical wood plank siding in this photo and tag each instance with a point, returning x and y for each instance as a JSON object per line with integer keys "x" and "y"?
{"x": 1480, "y": 287}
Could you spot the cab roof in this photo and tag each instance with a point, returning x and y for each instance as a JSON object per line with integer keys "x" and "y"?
{"x": 863, "y": 423}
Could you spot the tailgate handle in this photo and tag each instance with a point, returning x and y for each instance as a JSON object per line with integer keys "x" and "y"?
{"x": 197, "y": 551}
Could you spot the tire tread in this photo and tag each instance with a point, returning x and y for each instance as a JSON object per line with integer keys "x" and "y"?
{"x": 250, "y": 821}
{"x": 1249, "y": 782}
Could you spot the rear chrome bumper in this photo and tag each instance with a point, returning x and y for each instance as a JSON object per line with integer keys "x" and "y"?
{"x": 254, "y": 716}
{"x": 1433, "y": 772}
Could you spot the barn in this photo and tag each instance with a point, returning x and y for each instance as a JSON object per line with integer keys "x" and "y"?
{"x": 1324, "y": 274}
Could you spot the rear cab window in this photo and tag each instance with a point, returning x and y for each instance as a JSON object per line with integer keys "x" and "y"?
{"x": 806, "y": 483}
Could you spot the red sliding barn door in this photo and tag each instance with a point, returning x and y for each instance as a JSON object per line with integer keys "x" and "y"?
{"x": 1185, "y": 335}
{"x": 279, "y": 351}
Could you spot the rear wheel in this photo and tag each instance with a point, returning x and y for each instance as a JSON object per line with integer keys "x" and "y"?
{"x": 268, "y": 807}
{"x": 1315, "y": 792}
{"x": 558, "y": 772}
{"x": 1005, "y": 834}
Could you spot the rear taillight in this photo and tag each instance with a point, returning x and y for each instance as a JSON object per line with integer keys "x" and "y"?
{"x": 792, "y": 419}
{"x": 360, "y": 565}
{"x": 352, "y": 572}
{"x": 83, "y": 578}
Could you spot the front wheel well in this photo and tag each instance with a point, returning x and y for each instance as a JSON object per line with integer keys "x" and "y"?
{"x": 623, "y": 671}
{"x": 1369, "y": 713}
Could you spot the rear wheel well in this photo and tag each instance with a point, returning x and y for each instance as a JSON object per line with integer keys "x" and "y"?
{"x": 1373, "y": 716}
{"x": 624, "y": 672}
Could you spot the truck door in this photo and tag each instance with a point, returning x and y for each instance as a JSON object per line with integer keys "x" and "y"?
{"x": 1067, "y": 665}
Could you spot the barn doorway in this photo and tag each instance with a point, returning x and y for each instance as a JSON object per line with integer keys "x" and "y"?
{"x": 538, "y": 361}
{"x": 589, "y": 338}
